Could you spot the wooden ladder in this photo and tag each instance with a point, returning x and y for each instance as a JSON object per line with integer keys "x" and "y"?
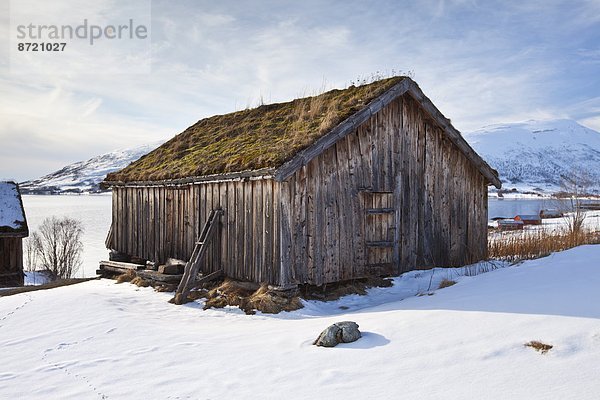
{"x": 191, "y": 267}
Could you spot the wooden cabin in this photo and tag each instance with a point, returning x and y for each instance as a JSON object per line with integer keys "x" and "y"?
{"x": 13, "y": 228}
{"x": 531, "y": 219}
{"x": 510, "y": 225}
{"x": 369, "y": 180}
{"x": 550, "y": 213}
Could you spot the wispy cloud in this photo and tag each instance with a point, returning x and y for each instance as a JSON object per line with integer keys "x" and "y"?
{"x": 480, "y": 62}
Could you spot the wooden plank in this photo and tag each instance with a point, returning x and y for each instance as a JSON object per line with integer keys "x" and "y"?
{"x": 299, "y": 245}
{"x": 268, "y": 232}
{"x": 168, "y": 222}
{"x": 216, "y": 243}
{"x": 365, "y": 144}
{"x": 285, "y": 221}
{"x": 420, "y": 188}
{"x": 247, "y": 239}
{"x": 376, "y": 158}
{"x": 397, "y": 160}
{"x": 311, "y": 187}
{"x": 319, "y": 221}
{"x": 276, "y": 231}
{"x": 224, "y": 231}
{"x": 380, "y": 243}
{"x": 384, "y": 210}
{"x": 230, "y": 267}
{"x": 258, "y": 234}
{"x": 155, "y": 276}
{"x": 125, "y": 266}
{"x": 344, "y": 230}
{"x": 240, "y": 272}
{"x": 356, "y": 226}
{"x": 445, "y": 202}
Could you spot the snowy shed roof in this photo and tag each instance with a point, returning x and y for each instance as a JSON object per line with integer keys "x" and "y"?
{"x": 12, "y": 215}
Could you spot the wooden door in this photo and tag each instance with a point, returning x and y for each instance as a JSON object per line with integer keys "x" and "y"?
{"x": 380, "y": 231}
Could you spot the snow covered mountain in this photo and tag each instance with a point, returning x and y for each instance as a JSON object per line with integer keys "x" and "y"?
{"x": 533, "y": 155}
{"x": 529, "y": 156}
{"x": 85, "y": 176}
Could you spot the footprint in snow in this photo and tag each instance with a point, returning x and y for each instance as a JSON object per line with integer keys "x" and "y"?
{"x": 28, "y": 299}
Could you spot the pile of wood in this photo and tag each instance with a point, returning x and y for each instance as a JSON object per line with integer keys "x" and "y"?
{"x": 170, "y": 273}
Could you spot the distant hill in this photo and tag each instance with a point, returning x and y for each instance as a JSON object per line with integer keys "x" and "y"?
{"x": 533, "y": 155}
{"x": 85, "y": 176}
{"x": 529, "y": 156}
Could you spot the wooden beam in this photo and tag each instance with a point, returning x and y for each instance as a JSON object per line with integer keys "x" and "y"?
{"x": 263, "y": 173}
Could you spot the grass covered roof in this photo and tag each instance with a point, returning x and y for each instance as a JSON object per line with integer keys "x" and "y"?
{"x": 262, "y": 137}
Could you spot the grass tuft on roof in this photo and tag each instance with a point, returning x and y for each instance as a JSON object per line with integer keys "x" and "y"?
{"x": 263, "y": 137}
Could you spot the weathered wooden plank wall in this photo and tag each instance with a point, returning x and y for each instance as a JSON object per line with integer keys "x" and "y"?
{"x": 439, "y": 201}
{"x": 11, "y": 261}
{"x": 158, "y": 222}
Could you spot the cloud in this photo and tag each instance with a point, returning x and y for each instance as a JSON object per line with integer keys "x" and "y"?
{"x": 480, "y": 63}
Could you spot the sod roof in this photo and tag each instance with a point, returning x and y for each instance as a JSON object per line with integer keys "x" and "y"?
{"x": 262, "y": 137}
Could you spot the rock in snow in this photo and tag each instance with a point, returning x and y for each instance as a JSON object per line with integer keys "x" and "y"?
{"x": 340, "y": 332}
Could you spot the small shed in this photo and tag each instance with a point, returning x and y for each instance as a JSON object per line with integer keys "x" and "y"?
{"x": 529, "y": 219}
{"x": 13, "y": 228}
{"x": 510, "y": 225}
{"x": 550, "y": 213}
{"x": 368, "y": 180}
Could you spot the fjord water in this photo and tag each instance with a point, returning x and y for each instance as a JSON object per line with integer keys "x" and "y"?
{"x": 94, "y": 212}
{"x": 508, "y": 208}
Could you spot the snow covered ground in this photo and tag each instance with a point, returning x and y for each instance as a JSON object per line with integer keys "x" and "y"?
{"x": 102, "y": 340}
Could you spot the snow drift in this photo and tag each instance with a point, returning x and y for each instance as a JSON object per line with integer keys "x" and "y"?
{"x": 103, "y": 340}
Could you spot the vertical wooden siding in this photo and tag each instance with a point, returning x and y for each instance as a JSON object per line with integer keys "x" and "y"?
{"x": 158, "y": 222}
{"x": 439, "y": 199}
{"x": 11, "y": 261}
{"x": 313, "y": 228}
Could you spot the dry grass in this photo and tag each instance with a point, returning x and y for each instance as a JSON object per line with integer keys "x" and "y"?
{"x": 126, "y": 277}
{"x": 266, "y": 136}
{"x": 446, "y": 283}
{"x": 251, "y": 297}
{"x": 517, "y": 246}
{"x": 268, "y": 302}
{"x": 539, "y": 346}
{"x": 140, "y": 282}
{"x": 226, "y": 294}
{"x": 336, "y": 290}
{"x": 131, "y": 277}
{"x": 248, "y": 298}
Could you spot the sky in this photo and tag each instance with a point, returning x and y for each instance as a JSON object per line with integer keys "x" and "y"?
{"x": 480, "y": 62}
